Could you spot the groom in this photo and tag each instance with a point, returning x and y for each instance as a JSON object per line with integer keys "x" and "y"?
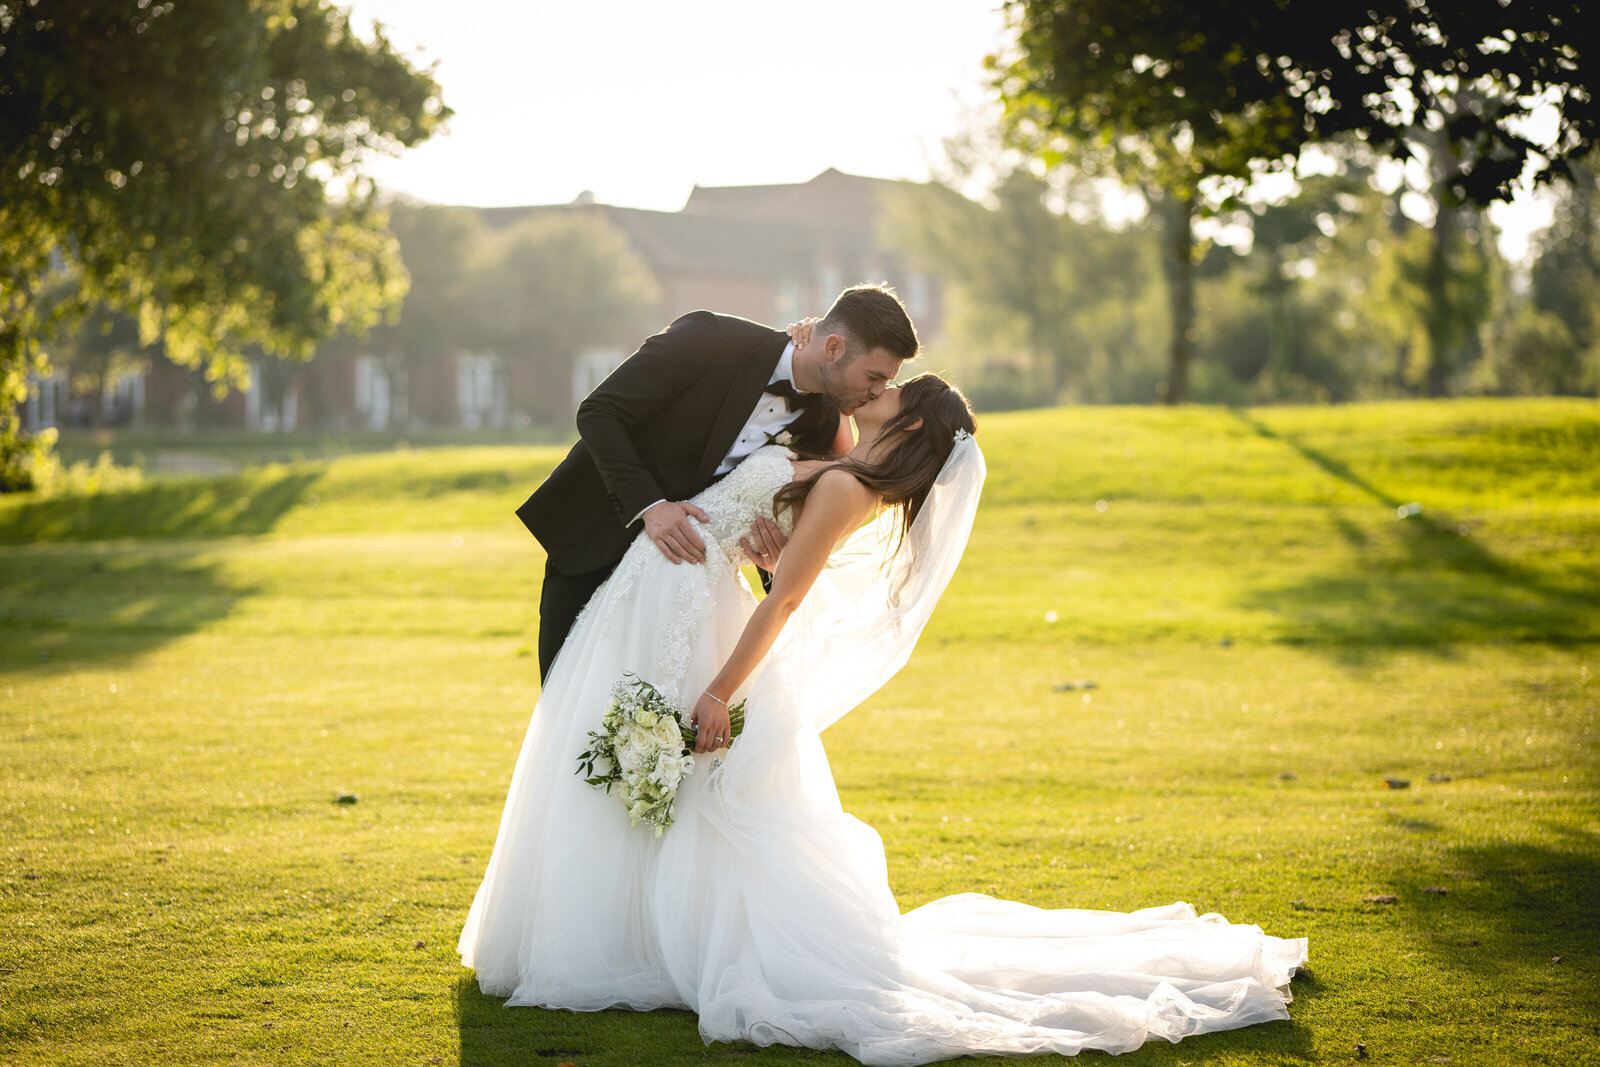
{"x": 680, "y": 413}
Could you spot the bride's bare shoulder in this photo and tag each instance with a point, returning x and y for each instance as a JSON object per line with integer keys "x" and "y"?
{"x": 842, "y": 492}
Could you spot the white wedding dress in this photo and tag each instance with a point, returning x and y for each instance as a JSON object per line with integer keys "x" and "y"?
{"x": 766, "y": 908}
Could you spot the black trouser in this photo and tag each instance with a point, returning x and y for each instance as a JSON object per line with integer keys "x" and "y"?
{"x": 563, "y": 596}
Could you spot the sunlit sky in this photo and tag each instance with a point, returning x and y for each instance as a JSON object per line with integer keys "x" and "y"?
{"x": 637, "y": 101}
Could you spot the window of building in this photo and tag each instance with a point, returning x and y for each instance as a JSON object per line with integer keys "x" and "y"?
{"x": 591, "y": 368}
{"x": 480, "y": 400}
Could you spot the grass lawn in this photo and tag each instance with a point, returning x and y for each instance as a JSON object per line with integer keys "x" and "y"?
{"x": 192, "y": 670}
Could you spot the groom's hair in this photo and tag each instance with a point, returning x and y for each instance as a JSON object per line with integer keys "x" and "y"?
{"x": 868, "y": 317}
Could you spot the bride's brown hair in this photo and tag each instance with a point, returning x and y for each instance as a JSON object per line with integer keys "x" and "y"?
{"x": 904, "y": 476}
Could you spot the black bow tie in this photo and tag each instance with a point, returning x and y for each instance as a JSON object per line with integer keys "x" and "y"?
{"x": 797, "y": 400}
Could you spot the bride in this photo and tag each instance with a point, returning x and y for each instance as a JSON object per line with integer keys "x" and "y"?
{"x": 765, "y": 908}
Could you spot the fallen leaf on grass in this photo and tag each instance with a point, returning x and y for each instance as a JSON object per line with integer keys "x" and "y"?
{"x": 345, "y": 798}
{"x": 1433, "y": 1059}
{"x": 1287, "y": 776}
{"x": 1439, "y": 889}
{"x": 1441, "y": 777}
{"x": 1380, "y": 898}
{"x": 420, "y": 944}
{"x": 1555, "y": 959}
{"x": 1361, "y": 1050}
{"x": 1397, "y": 783}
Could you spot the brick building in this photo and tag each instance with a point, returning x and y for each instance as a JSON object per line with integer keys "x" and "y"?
{"x": 772, "y": 253}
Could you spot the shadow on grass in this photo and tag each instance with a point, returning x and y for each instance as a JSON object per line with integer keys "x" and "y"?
{"x": 493, "y": 1035}
{"x": 67, "y": 603}
{"x": 247, "y": 503}
{"x": 1429, "y": 586}
{"x": 1516, "y": 914}
{"x": 66, "y": 607}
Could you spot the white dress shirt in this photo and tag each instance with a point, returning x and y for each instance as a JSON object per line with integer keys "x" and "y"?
{"x": 770, "y": 417}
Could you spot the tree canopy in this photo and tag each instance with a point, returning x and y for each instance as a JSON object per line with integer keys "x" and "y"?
{"x": 196, "y": 165}
{"x": 1249, "y": 83}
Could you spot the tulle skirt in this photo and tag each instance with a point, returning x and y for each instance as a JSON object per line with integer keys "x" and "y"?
{"x": 766, "y": 908}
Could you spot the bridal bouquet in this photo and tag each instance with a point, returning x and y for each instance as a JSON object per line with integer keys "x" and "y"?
{"x": 643, "y": 751}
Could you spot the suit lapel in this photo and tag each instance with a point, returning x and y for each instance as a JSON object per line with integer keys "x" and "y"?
{"x": 749, "y": 381}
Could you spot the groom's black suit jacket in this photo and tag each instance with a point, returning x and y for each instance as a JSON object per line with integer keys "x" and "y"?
{"x": 657, "y": 429}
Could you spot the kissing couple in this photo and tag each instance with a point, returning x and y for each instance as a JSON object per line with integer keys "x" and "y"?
{"x": 766, "y": 908}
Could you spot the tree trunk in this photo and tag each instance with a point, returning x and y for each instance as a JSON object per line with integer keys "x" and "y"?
{"x": 1180, "y": 277}
{"x": 1044, "y": 356}
{"x": 1280, "y": 330}
{"x": 1441, "y": 328}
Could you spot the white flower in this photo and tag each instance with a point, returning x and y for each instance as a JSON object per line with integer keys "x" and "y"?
{"x": 639, "y": 810}
{"x": 667, "y": 733}
{"x": 631, "y": 757}
{"x": 645, "y": 717}
{"x": 671, "y": 769}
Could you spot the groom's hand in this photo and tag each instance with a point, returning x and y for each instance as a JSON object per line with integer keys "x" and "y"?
{"x": 766, "y": 540}
{"x": 667, "y": 525}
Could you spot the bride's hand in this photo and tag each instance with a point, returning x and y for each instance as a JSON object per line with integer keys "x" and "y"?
{"x": 711, "y": 718}
{"x": 800, "y": 332}
{"x": 766, "y": 540}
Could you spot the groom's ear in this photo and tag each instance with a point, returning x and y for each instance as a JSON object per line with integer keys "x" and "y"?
{"x": 833, "y": 347}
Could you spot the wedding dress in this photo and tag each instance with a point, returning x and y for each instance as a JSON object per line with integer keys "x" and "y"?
{"x": 766, "y": 908}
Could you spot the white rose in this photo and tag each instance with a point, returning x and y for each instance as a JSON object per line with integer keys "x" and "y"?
{"x": 667, "y": 733}
{"x": 645, "y": 717}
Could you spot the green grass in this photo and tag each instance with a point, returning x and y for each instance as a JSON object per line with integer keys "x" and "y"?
{"x": 191, "y": 670}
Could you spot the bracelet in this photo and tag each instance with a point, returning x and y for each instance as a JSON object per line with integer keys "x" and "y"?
{"x": 719, "y": 700}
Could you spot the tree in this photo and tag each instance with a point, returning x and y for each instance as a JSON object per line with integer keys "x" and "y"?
{"x": 196, "y": 165}
{"x": 550, "y": 285}
{"x": 1332, "y": 300}
{"x": 531, "y": 292}
{"x": 100, "y": 347}
{"x": 441, "y": 248}
{"x": 1029, "y": 271}
{"x": 1552, "y": 344}
{"x": 1185, "y": 94}
{"x": 1383, "y": 71}
{"x": 1074, "y": 94}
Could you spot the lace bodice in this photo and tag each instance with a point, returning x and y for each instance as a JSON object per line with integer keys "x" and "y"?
{"x": 746, "y": 493}
{"x": 730, "y": 505}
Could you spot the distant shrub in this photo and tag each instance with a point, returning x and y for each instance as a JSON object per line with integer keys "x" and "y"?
{"x": 50, "y": 477}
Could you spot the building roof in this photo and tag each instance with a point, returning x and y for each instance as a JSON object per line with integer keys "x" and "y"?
{"x": 832, "y": 198}
{"x": 744, "y": 231}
